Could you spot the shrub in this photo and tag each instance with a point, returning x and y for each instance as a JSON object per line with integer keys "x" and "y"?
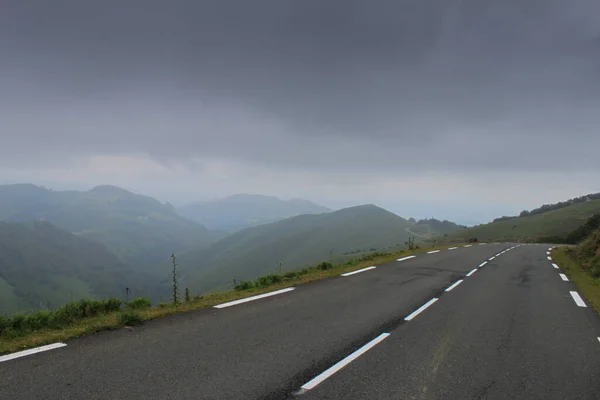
{"x": 243, "y": 285}
{"x": 290, "y": 275}
{"x": 37, "y": 321}
{"x": 5, "y": 323}
{"x": 112, "y": 305}
{"x": 18, "y": 323}
{"x": 267, "y": 280}
{"x": 129, "y": 317}
{"x": 139, "y": 303}
{"x": 325, "y": 265}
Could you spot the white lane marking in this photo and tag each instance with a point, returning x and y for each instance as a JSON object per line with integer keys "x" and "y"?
{"x": 433, "y": 251}
{"x": 455, "y": 284}
{"x": 421, "y": 309}
{"x": 564, "y": 277}
{"x": 29, "y": 352}
{"x": 548, "y": 253}
{"x": 577, "y": 298}
{"x": 549, "y": 248}
{"x": 554, "y": 265}
{"x": 467, "y": 245}
{"x": 341, "y": 364}
{"x": 498, "y": 255}
{"x": 549, "y": 258}
{"x": 252, "y": 298}
{"x": 481, "y": 244}
{"x": 358, "y": 271}
{"x": 599, "y": 339}
{"x": 482, "y": 264}
{"x": 491, "y": 258}
{"x": 472, "y": 272}
{"x": 452, "y": 248}
{"x": 405, "y": 258}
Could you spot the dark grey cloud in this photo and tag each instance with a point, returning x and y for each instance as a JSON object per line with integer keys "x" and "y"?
{"x": 439, "y": 84}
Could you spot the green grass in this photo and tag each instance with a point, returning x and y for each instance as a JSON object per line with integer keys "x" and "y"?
{"x": 587, "y": 285}
{"x": 75, "y": 321}
{"x": 558, "y": 222}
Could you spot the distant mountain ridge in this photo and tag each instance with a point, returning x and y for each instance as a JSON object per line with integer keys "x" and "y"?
{"x": 296, "y": 242}
{"x": 246, "y": 210}
{"x": 138, "y": 229}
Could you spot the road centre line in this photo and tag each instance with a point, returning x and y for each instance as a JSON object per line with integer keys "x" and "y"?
{"x": 421, "y": 309}
{"x": 433, "y": 251}
{"x": 472, "y": 272}
{"x": 467, "y": 245}
{"x": 491, "y": 258}
{"x": 405, "y": 258}
{"x": 455, "y": 284}
{"x": 252, "y": 298}
{"x": 564, "y": 277}
{"x": 341, "y": 364}
{"x": 452, "y": 248}
{"x": 577, "y": 298}
{"x": 358, "y": 271}
{"x": 482, "y": 264}
{"x": 29, "y": 352}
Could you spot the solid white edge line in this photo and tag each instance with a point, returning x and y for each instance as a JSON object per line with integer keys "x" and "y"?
{"x": 358, "y": 271}
{"x": 405, "y": 258}
{"x": 433, "y": 251}
{"x": 577, "y": 298}
{"x": 29, "y": 352}
{"x": 452, "y": 248}
{"x": 252, "y": 298}
{"x": 421, "y": 309}
{"x": 482, "y": 264}
{"x": 455, "y": 284}
{"x": 564, "y": 277}
{"x": 555, "y": 266}
{"x": 341, "y": 364}
{"x": 472, "y": 272}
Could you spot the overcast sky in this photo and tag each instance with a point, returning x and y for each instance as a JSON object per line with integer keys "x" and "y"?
{"x": 455, "y": 109}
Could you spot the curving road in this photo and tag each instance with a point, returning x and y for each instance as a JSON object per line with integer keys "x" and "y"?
{"x": 430, "y": 327}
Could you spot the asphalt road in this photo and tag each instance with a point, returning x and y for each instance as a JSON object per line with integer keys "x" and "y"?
{"x": 510, "y": 330}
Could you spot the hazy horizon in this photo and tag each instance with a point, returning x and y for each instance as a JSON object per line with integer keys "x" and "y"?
{"x": 460, "y": 110}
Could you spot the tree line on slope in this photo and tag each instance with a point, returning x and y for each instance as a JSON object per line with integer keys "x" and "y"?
{"x": 551, "y": 207}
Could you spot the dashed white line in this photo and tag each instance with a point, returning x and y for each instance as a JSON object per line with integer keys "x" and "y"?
{"x": 549, "y": 258}
{"x": 341, "y": 364}
{"x": 548, "y": 253}
{"x": 599, "y": 339}
{"x": 577, "y": 298}
{"x": 555, "y": 266}
{"x": 472, "y": 272}
{"x": 31, "y": 351}
{"x": 358, "y": 271}
{"x": 549, "y": 248}
{"x": 564, "y": 277}
{"x": 491, "y": 258}
{"x": 452, "y": 248}
{"x": 498, "y": 255}
{"x": 405, "y": 258}
{"x": 482, "y": 264}
{"x": 481, "y": 244}
{"x": 433, "y": 251}
{"x": 455, "y": 284}
{"x": 421, "y": 309}
{"x": 252, "y": 298}
{"x": 467, "y": 245}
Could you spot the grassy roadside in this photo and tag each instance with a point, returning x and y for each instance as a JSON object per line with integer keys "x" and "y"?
{"x": 113, "y": 321}
{"x": 587, "y": 285}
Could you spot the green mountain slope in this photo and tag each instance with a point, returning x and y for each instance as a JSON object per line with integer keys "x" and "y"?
{"x": 138, "y": 229}
{"x": 295, "y": 242}
{"x": 556, "y": 222}
{"x": 42, "y": 266}
{"x": 243, "y": 210}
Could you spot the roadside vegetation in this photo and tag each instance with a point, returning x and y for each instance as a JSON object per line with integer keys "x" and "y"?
{"x": 581, "y": 262}
{"x": 77, "y": 318}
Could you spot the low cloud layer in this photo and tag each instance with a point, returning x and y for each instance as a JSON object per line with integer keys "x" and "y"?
{"x": 341, "y": 101}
